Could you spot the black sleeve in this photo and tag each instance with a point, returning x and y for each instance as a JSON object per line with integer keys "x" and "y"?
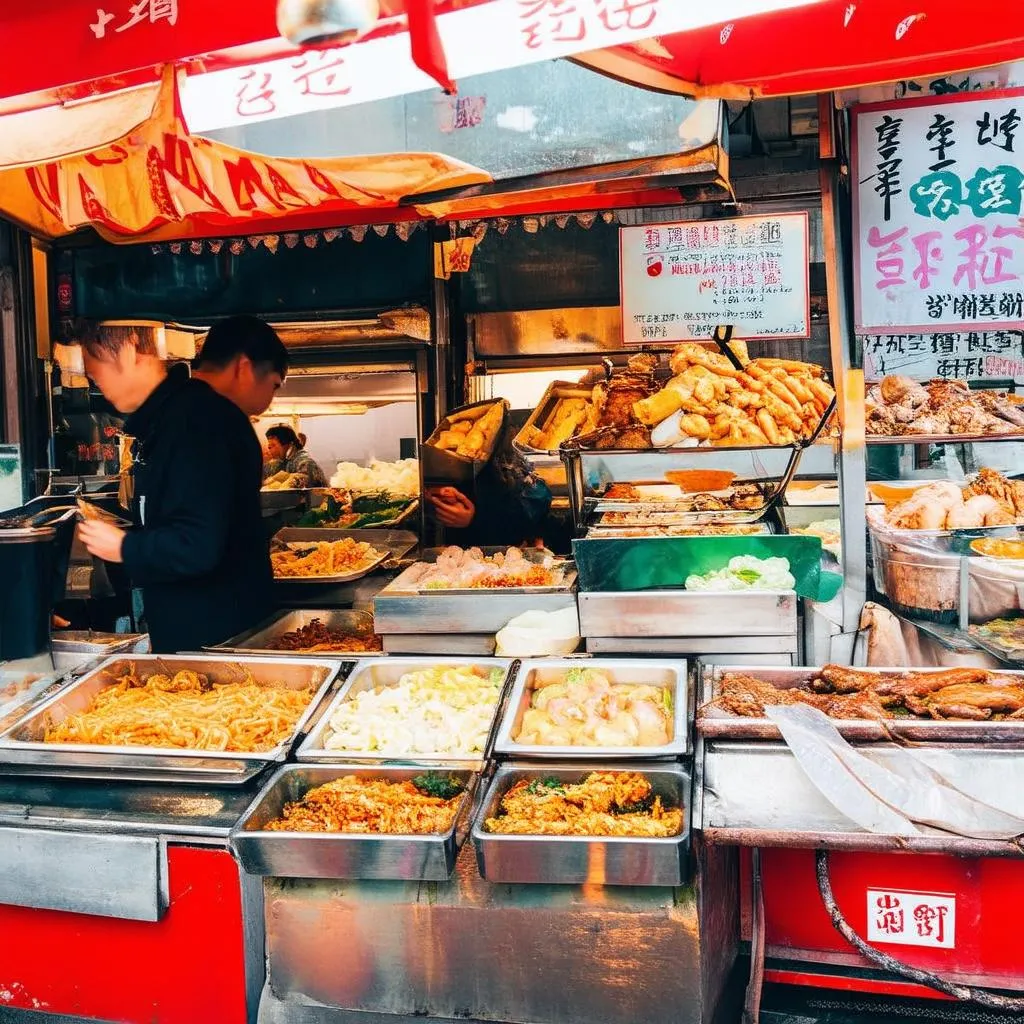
{"x": 499, "y": 520}
{"x": 194, "y": 519}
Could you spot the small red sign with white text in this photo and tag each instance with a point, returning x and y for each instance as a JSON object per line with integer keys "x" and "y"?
{"x": 905, "y": 918}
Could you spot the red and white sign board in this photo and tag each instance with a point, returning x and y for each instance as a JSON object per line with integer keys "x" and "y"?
{"x": 490, "y": 37}
{"x": 903, "y": 918}
{"x": 680, "y": 281}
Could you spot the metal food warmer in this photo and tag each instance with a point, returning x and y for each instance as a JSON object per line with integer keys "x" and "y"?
{"x": 270, "y": 637}
{"x": 407, "y": 926}
{"x": 412, "y": 620}
{"x": 136, "y": 868}
{"x": 877, "y": 856}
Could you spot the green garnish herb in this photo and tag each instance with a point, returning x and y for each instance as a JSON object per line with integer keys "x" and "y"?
{"x": 444, "y": 787}
{"x": 541, "y": 787}
{"x": 748, "y": 575}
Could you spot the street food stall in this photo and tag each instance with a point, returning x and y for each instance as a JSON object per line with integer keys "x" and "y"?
{"x": 366, "y": 805}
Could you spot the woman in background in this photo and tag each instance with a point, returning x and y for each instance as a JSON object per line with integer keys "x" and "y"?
{"x": 508, "y": 505}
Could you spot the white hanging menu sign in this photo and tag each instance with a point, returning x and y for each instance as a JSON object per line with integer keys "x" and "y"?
{"x": 937, "y": 214}
{"x": 680, "y": 281}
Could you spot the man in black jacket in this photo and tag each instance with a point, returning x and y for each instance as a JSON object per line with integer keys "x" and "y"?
{"x": 199, "y": 550}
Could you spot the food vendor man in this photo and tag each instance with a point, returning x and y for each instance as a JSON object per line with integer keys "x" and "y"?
{"x": 243, "y": 359}
{"x": 198, "y": 550}
{"x": 285, "y": 454}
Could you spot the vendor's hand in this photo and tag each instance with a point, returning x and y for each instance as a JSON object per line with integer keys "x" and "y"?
{"x": 452, "y": 508}
{"x": 102, "y": 540}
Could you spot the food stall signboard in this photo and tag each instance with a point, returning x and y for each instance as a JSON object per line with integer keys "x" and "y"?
{"x": 937, "y": 213}
{"x": 952, "y": 355}
{"x": 679, "y": 281}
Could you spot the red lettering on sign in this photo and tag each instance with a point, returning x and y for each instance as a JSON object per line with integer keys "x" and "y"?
{"x": 45, "y": 184}
{"x": 246, "y": 184}
{"x": 282, "y": 187}
{"x": 321, "y": 181}
{"x": 179, "y": 162}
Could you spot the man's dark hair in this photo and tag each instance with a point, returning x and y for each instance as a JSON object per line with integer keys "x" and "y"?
{"x": 105, "y": 341}
{"x": 285, "y": 435}
{"x": 244, "y": 336}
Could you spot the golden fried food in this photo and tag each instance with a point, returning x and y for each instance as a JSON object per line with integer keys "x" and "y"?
{"x": 187, "y": 710}
{"x": 327, "y": 558}
{"x": 966, "y": 694}
{"x": 571, "y": 415}
{"x": 352, "y": 804}
{"x": 603, "y": 804}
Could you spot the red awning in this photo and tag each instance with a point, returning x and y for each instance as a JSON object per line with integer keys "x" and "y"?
{"x": 837, "y": 44}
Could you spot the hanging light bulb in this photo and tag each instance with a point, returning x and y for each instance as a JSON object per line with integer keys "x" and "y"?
{"x": 308, "y": 22}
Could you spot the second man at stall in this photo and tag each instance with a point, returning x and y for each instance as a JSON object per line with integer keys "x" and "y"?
{"x": 198, "y": 550}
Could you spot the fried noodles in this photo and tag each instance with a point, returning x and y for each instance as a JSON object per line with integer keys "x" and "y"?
{"x": 351, "y": 804}
{"x": 187, "y": 711}
{"x": 603, "y": 804}
{"x": 327, "y": 558}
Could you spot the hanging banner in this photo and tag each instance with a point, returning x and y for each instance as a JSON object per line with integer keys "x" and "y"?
{"x": 679, "y": 281}
{"x": 952, "y": 355}
{"x": 489, "y": 37}
{"x": 938, "y": 230}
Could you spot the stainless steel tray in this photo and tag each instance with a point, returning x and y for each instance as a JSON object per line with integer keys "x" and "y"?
{"x": 19, "y": 691}
{"x": 578, "y": 860}
{"x": 392, "y": 543}
{"x": 262, "y": 851}
{"x": 597, "y": 531}
{"x": 715, "y": 724}
{"x": 85, "y": 641}
{"x": 368, "y": 675}
{"x": 23, "y": 751}
{"x": 541, "y": 415}
{"x": 531, "y": 674}
{"x": 405, "y": 583}
{"x": 256, "y": 640}
{"x": 916, "y": 439}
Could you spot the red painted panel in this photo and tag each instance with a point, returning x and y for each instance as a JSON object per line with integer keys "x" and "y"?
{"x": 989, "y": 902}
{"x": 187, "y": 968}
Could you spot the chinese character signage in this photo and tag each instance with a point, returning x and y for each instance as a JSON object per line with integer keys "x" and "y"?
{"x": 939, "y": 228}
{"x": 953, "y": 355}
{"x": 680, "y": 281}
{"x": 912, "y": 918}
{"x": 517, "y": 33}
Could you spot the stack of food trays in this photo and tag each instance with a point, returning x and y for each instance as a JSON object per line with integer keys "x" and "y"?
{"x": 574, "y": 760}
{"x": 401, "y": 749}
{"x": 190, "y": 719}
{"x": 453, "y": 601}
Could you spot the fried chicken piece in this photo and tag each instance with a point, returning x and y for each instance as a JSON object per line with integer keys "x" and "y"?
{"x": 997, "y": 405}
{"x": 962, "y": 711}
{"x": 642, "y": 362}
{"x": 865, "y": 704}
{"x": 997, "y": 699}
{"x": 840, "y": 679}
{"x": 747, "y": 696}
{"x": 920, "y": 684}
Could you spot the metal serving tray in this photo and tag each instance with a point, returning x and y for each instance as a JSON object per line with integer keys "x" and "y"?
{"x": 367, "y": 855}
{"x": 20, "y": 690}
{"x": 532, "y": 674}
{"x": 576, "y": 860}
{"x": 368, "y": 675}
{"x": 717, "y": 724}
{"x": 23, "y": 751}
{"x": 539, "y": 418}
{"x": 404, "y": 583}
{"x": 257, "y": 639}
{"x": 392, "y": 543}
